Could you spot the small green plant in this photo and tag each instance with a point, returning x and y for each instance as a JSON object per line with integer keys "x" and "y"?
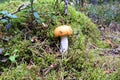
{"x": 34, "y": 13}
{"x": 7, "y": 17}
{"x": 12, "y": 58}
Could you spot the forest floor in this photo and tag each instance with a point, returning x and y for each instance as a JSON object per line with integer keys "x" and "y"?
{"x": 30, "y": 52}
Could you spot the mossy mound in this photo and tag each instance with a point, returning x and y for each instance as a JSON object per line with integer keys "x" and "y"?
{"x": 43, "y": 53}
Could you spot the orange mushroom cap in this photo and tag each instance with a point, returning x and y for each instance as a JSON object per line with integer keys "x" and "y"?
{"x": 63, "y": 30}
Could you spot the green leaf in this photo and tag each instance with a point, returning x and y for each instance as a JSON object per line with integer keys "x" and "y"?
{"x": 6, "y": 54}
{"x": 4, "y": 20}
{"x": 16, "y": 50}
{"x": 4, "y": 12}
{"x": 38, "y": 21}
{"x": 12, "y": 58}
{"x": 36, "y": 15}
{"x": 11, "y": 16}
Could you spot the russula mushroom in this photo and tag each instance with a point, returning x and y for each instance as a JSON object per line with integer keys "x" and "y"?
{"x": 63, "y": 32}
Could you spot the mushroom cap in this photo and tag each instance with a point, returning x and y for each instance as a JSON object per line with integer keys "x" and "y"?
{"x": 63, "y": 30}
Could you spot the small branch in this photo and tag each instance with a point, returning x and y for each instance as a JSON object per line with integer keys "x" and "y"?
{"x": 21, "y": 7}
{"x": 66, "y": 7}
{"x": 47, "y": 70}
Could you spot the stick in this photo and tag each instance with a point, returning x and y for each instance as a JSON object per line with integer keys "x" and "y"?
{"x": 66, "y": 7}
{"x": 21, "y": 7}
{"x": 52, "y": 66}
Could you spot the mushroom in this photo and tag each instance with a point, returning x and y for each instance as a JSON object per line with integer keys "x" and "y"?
{"x": 63, "y": 32}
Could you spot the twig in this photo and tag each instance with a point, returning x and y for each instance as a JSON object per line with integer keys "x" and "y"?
{"x": 52, "y": 66}
{"x": 21, "y": 7}
{"x": 66, "y": 7}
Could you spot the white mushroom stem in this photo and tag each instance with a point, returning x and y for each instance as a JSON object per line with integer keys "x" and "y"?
{"x": 64, "y": 44}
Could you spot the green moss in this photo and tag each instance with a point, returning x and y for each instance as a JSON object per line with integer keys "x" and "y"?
{"x": 21, "y": 72}
{"x": 78, "y": 64}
